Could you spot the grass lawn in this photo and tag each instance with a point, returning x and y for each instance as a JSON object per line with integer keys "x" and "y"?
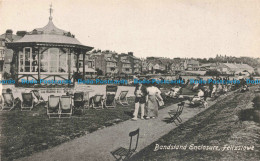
{"x": 217, "y": 126}
{"x": 27, "y": 132}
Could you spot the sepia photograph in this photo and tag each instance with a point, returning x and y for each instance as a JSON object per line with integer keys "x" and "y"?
{"x": 129, "y": 80}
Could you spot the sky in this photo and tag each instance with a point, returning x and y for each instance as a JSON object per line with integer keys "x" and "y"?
{"x": 165, "y": 28}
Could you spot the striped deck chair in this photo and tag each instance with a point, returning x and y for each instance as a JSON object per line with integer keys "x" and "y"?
{"x": 65, "y": 107}
{"x": 78, "y": 99}
{"x": 27, "y": 103}
{"x": 122, "y": 99}
{"x": 97, "y": 101}
{"x": 8, "y": 101}
{"x": 53, "y": 108}
{"x": 37, "y": 95}
{"x": 110, "y": 101}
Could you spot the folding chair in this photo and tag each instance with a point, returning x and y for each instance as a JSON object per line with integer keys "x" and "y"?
{"x": 123, "y": 153}
{"x": 97, "y": 102}
{"x": 78, "y": 99}
{"x": 53, "y": 108}
{"x": 65, "y": 107}
{"x": 122, "y": 99}
{"x": 175, "y": 115}
{"x": 27, "y": 103}
{"x": 8, "y": 101}
{"x": 37, "y": 95}
{"x": 110, "y": 101}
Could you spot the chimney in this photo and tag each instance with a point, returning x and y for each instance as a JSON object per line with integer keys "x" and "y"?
{"x": 21, "y": 33}
{"x": 131, "y": 53}
{"x": 8, "y": 34}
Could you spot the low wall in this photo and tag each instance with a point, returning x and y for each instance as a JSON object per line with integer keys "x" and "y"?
{"x": 45, "y": 92}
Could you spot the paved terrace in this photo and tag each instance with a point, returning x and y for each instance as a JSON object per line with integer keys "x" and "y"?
{"x": 97, "y": 146}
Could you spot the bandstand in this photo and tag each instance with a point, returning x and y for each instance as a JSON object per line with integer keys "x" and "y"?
{"x": 47, "y": 53}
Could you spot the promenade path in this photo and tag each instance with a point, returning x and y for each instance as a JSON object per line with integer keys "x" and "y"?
{"x": 97, "y": 146}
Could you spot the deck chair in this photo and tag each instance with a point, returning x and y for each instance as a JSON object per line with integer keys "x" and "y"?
{"x": 53, "y": 108}
{"x": 78, "y": 99}
{"x": 65, "y": 107}
{"x": 123, "y": 153}
{"x": 27, "y": 103}
{"x": 122, "y": 99}
{"x": 257, "y": 90}
{"x": 110, "y": 101}
{"x": 97, "y": 101}
{"x": 196, "y": 100}
{"x": 37, "y": 95}
{"x": 8, "y": 101}
{"x": 175, "y": 115}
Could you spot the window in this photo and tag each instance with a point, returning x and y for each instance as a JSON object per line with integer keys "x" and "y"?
{"x": 28, "y": 60}
{"x": 53, "y": 60}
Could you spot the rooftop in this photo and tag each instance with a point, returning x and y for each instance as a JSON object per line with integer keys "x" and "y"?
{"x": 49, "y": 34}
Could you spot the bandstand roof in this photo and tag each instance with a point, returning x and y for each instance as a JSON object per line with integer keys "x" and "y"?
{"x": 49, "y": 35}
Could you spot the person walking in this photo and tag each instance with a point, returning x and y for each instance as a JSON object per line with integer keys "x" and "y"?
{"x": 153, "y": 93}
{"x": 140, "y": 100}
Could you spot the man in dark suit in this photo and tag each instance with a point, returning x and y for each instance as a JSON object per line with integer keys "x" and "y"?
{"x": 140, "y": 100}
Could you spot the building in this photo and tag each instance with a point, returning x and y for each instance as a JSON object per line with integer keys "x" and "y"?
{"x": 144, "y": 65}
{"x": 234, "y": 68}
{"x": 209, "y": 66}
{"x": 47, "y": 53}
{"x": 90, "y": 71}
{"x": 125, "y": 64}
{"x": 136, "y": 64}
{"x": 111, "y": 59}
{"x": 7, "y": 54}
{"x": 106, "y": 62}
{"x": 177, "y": 66}
{"x": 191, "y": 65}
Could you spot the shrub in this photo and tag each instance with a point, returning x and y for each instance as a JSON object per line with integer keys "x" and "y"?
{"x": 256, "y": 102}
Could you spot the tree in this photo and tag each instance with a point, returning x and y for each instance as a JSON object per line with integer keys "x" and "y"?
{"x": 99, "y": 72}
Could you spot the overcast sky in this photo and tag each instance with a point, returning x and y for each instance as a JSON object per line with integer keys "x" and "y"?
{"x": 167, "y": 28}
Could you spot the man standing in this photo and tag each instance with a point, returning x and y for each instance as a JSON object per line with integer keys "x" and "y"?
{"x": 140, "y": 100}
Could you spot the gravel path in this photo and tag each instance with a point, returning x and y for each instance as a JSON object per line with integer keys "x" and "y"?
{"x": 97, "y": 146}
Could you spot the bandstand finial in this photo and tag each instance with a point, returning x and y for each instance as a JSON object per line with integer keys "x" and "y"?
{"x": 51, "y": 11}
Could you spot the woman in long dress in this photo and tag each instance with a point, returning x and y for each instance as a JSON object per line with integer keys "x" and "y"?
{"x": 152, "y": 104}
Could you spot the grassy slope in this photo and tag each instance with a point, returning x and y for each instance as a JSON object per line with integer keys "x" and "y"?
{"x": 214, "y": 126}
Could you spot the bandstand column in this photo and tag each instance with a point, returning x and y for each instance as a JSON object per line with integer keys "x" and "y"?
{"x": 83, "y": 64}
{"x": 16, "y": 68}
{"x": 69, "y": 64}
{"x": 39, "y": 69}
{"x": 77, "y": 62}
